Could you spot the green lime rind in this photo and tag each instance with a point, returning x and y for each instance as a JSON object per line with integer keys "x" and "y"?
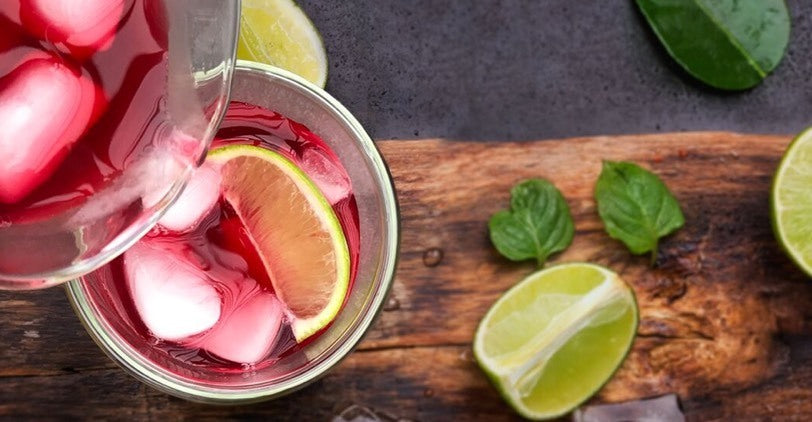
{"x": 303, "y": 328}
{"x": 791, "y": 203}
{"x": 279, "y": 33}
{"x": 585, "y": 307}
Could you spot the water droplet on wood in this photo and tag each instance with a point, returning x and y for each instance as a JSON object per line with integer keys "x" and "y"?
{"x": 393, "y": 304}
{"x": 432, "y": 257}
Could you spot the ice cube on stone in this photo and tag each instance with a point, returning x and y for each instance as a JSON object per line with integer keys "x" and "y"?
{"x": 195, "y": 202}
{"x": 174, "y": 298}
{"x": 249, "y": 332}
{"x": 330, "y": 178}
{"x": 661, "y": 409}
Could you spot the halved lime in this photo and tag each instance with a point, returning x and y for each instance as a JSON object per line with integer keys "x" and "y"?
{"x": 551, "y": 341}
{"x": 278, "y": 33}
{"x": 294, "y": 230}
{"x": 791, "y": 200}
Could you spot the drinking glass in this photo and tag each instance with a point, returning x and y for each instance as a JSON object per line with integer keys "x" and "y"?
{"x": 100, "y": 308}
{"x": 201, "y": 39}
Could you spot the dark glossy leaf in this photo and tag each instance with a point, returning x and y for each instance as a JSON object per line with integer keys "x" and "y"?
{"x": 537, "y": 225}
{"x": 636, "y": 207}
{"x": 728, "y": 44}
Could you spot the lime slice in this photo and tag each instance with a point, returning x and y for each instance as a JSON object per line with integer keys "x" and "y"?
{"x": 550, "y": 342}
{"x": 278, "y": 33}
{"x": 295, "y": 231}
{"x": 792, "y": 201}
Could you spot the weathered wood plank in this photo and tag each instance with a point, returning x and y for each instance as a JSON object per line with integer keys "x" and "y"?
{"x": 40, "y": 336}
{"x": 423, "y": 383}
{"x": 427, "y": 383}
{"x": 725, "y": 316}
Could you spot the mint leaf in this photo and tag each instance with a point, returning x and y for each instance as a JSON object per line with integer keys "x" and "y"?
{"x": 537, "y": 225}
{"x": 636, "y": 207}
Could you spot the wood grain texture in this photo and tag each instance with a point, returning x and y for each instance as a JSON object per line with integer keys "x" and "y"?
{"x": 725, "y": 316}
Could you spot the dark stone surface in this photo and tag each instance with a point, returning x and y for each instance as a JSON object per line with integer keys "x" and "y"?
{"x": 521, "y": 69}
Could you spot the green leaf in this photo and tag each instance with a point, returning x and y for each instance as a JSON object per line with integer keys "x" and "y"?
{"x": 728, "y": 44}
{"x": 537, "y": 225}
{"x": 636, "y": 207}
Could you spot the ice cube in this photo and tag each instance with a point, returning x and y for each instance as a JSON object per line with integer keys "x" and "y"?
{"x": 358, "y": 413}
{"x": 46, "y": 106}
{"x": 147, "y": 180}
{"x": 323, "y": 169}
{"x": 174, "y": 298}
{"x": 662, "y": 409}
{"x": 76, "y": 23}
{"x": 249, "y": 332}
{"x": 197, "y": 199}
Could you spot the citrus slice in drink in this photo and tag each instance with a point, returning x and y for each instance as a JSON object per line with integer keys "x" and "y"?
{"x": 792, "y": 201}
{"x": 278, "y": 33}
{"x": 294, "y": 230}
{"x": 551, "y": 341}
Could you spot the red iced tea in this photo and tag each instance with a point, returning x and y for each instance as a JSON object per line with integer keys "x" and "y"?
{"x": 195, "y": 288}
{"x": 82, "y": 95}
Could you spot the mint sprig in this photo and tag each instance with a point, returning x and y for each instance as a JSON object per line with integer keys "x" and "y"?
{"x": 636, "y": 206}
{"x": 537, "y": 224}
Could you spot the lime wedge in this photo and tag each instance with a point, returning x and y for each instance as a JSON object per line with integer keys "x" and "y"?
{"x": 278, "y": 33}
{"x": 792, "y": 201}
{"x": 294, "y": 230}
{"x": 550, "y": 342}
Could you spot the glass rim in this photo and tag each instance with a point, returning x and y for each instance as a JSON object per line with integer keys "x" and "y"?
{"x": 148, "y": 372}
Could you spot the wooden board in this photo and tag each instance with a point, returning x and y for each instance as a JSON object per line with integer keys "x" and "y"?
{"x": 725, "y": 315}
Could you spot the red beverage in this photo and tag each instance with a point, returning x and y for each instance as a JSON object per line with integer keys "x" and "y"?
{"x": 82, "y": 95}
{"x": 195, "y": 289}
{"x": 103, "y": 116}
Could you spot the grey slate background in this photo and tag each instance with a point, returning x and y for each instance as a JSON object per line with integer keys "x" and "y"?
{"x": 537, "y": 69}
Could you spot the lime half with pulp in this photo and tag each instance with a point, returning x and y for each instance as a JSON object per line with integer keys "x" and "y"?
{"x": 550, "y": 342}
{"x": 278, "y": 33}
{"x": 792, "y": 201}
{"x": 294, "y": 230}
